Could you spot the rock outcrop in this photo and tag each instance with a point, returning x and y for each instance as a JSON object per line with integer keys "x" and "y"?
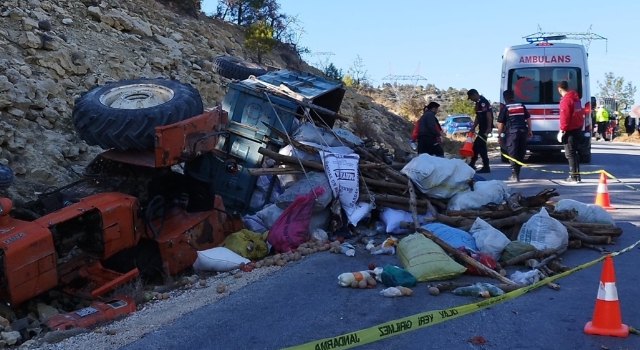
{"x": 53, "y": 50}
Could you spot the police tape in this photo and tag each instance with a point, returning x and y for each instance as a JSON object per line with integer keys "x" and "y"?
{"x": 425, "y": 319}
{"x": 592, "y": 172}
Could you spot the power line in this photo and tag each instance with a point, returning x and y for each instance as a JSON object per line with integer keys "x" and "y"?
{"x": 585, "y": 38}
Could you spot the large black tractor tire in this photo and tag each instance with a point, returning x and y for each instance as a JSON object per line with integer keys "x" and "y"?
{"x": 6, "y": 177}
{"x": 232, "y": 67}
{"x": 123, "y": 115}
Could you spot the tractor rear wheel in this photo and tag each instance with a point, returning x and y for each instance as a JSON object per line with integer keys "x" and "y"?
{"x": 123, "y": 115}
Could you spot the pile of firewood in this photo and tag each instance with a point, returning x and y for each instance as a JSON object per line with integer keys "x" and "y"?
{"x": 383, "y": 184}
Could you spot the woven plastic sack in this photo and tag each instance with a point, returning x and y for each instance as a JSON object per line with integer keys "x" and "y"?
{"x": 455, "y": 237}
{"x": 589, "y": 213}
{"x": 292, "y": 226}
{"x": 425, "y": 260}
{"x": 542, "y": 231}
{"x": 250, "y": 245}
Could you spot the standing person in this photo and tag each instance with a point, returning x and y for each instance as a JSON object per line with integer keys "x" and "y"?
{"x": 514, "y": 127}
{"x": 430, "y": 131}
{"x": 602, "y": 118}
{"x": 571, "y": 124}
{"x": 484, "y": 123}
{"x": 629, "y": 125}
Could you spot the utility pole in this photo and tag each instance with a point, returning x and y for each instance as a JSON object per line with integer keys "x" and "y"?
{"x": 585, "y": 38}
{"x": 413, "y": 79}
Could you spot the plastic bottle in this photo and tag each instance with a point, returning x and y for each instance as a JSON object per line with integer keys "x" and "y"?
{"x": 347, "y": 278}
{"x": 483, "y": 290}
{"x": 413, "y": 145}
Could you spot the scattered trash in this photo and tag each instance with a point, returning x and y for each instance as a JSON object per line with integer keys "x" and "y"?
{"x": 477, "y": 340}
{"x": 347, "y": 249}
{"x": 434, "y": 291}
{"x": 359, "y": 279}
{"x": 394, "y": 276}
{"x": 221, "y": 288}
{"x": 483, "y": 290}
{"x": 526, "y": 278}
{"x": 393, "y": 292}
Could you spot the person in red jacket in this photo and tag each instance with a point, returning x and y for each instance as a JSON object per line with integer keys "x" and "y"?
{"x": 571, "y": 124}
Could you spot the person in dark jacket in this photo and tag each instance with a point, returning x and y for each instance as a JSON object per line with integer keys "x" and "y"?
{"x": 484, "y": 123}
{"x": 571, "y": 125}
{"x": 430, "y": 131}
{"x": 514, "y": 127}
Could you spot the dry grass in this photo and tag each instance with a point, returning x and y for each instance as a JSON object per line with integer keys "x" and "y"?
{"x": 134, "y": 289}
{"x": 623, "y": 137}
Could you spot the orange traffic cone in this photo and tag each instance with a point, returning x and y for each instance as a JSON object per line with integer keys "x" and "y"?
{"x": 467, "y": 148}
{"x": 606, "y": 315}
{"x": 602, "y": 195}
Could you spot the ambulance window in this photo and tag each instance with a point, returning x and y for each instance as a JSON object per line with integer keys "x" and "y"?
{"x": 571, "y": 75}
{"x": 525, "y": 83}
{"x": 538, "y": 85}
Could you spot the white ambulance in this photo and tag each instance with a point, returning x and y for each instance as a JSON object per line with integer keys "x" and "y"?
{"x": 532, "y": 72}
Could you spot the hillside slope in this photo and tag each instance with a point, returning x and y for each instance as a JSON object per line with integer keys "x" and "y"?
{"x": 53, "y": 50}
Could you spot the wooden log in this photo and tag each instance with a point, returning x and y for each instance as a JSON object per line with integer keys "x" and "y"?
{"x": 574, "y": 244}
{"x": 290, "y": 160}
{"x": 464, "y": 257}
{"x": 384, "y": 184}
{"x": 485, "y": 214}
{"x": 577, "y": 234}
{"x": 394, "y": 199}
{"x": 454, "y": 221}
{"x": 597, "y": 229}
{"x": 534, "y": 254}
{"x": 413, "y": 202}
{"x": 557, "y": 267}
{"x": 274, "y": 171}
{"x": 594, "y": 247}
{"x": 368, "y": 166}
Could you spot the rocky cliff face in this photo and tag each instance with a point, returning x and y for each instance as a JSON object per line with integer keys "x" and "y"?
{"x": 53, "y": 50}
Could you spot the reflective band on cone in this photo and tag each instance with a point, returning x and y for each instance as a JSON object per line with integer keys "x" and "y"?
{"x": 608, "y": 291}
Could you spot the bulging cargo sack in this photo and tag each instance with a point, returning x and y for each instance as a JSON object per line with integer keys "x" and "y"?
{"x": 219, "y": 259}
{"x": 484, "y": 192}
{"x": 589, "y": 213}
{"x": 439, "y": 177}
{"x": 542, "y": 231}
{"x": 312, "y": 180}
{"x": 251, "y": 245}
{"x": 292, "y": 227}
{"x": 488, "y": 239}
{"x": 425, "y": 260}
{"x": 455, "y": 237}
{"x": 515, "y": 248}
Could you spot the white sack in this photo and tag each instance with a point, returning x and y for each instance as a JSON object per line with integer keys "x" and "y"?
{"x": 439, "y": 177}
{"x": 589, "y": 213}
{"x": 484, "y": 192}
{"x": 488, "y": 239}
{"x": 219, "y": 259}
{"x": 542, "y": 231}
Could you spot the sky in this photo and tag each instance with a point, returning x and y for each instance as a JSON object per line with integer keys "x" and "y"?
{"x": 460, "y": 43}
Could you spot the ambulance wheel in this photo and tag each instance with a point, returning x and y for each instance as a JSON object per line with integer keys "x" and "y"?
{"x": 232, "y": 67}
{"x": 123, "y": 115}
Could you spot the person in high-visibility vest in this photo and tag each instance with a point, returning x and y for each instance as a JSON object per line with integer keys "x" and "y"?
{"x": 602, "y": 118}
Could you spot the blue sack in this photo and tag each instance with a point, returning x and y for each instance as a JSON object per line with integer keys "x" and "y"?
{"x": 453, "y": 236}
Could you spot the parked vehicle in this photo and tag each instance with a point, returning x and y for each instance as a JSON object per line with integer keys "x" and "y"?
{"x": 458, "y": 124}
{"x": 532, "y": 72}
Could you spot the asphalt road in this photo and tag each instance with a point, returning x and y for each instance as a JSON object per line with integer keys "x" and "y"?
{"x": 302, "y": 302}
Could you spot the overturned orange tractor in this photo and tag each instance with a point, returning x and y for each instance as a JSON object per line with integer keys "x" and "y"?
{"x": 134, "y": 212}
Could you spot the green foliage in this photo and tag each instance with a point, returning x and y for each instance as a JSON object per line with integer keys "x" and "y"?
{"x": 461, "y": 105}
{"x": 615, "y": 87}
{"x": 258, "y": 37}
{"x": 332, "y": 72}
{"x": 348, "y": 80}
{"x": 358, "y": 73}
